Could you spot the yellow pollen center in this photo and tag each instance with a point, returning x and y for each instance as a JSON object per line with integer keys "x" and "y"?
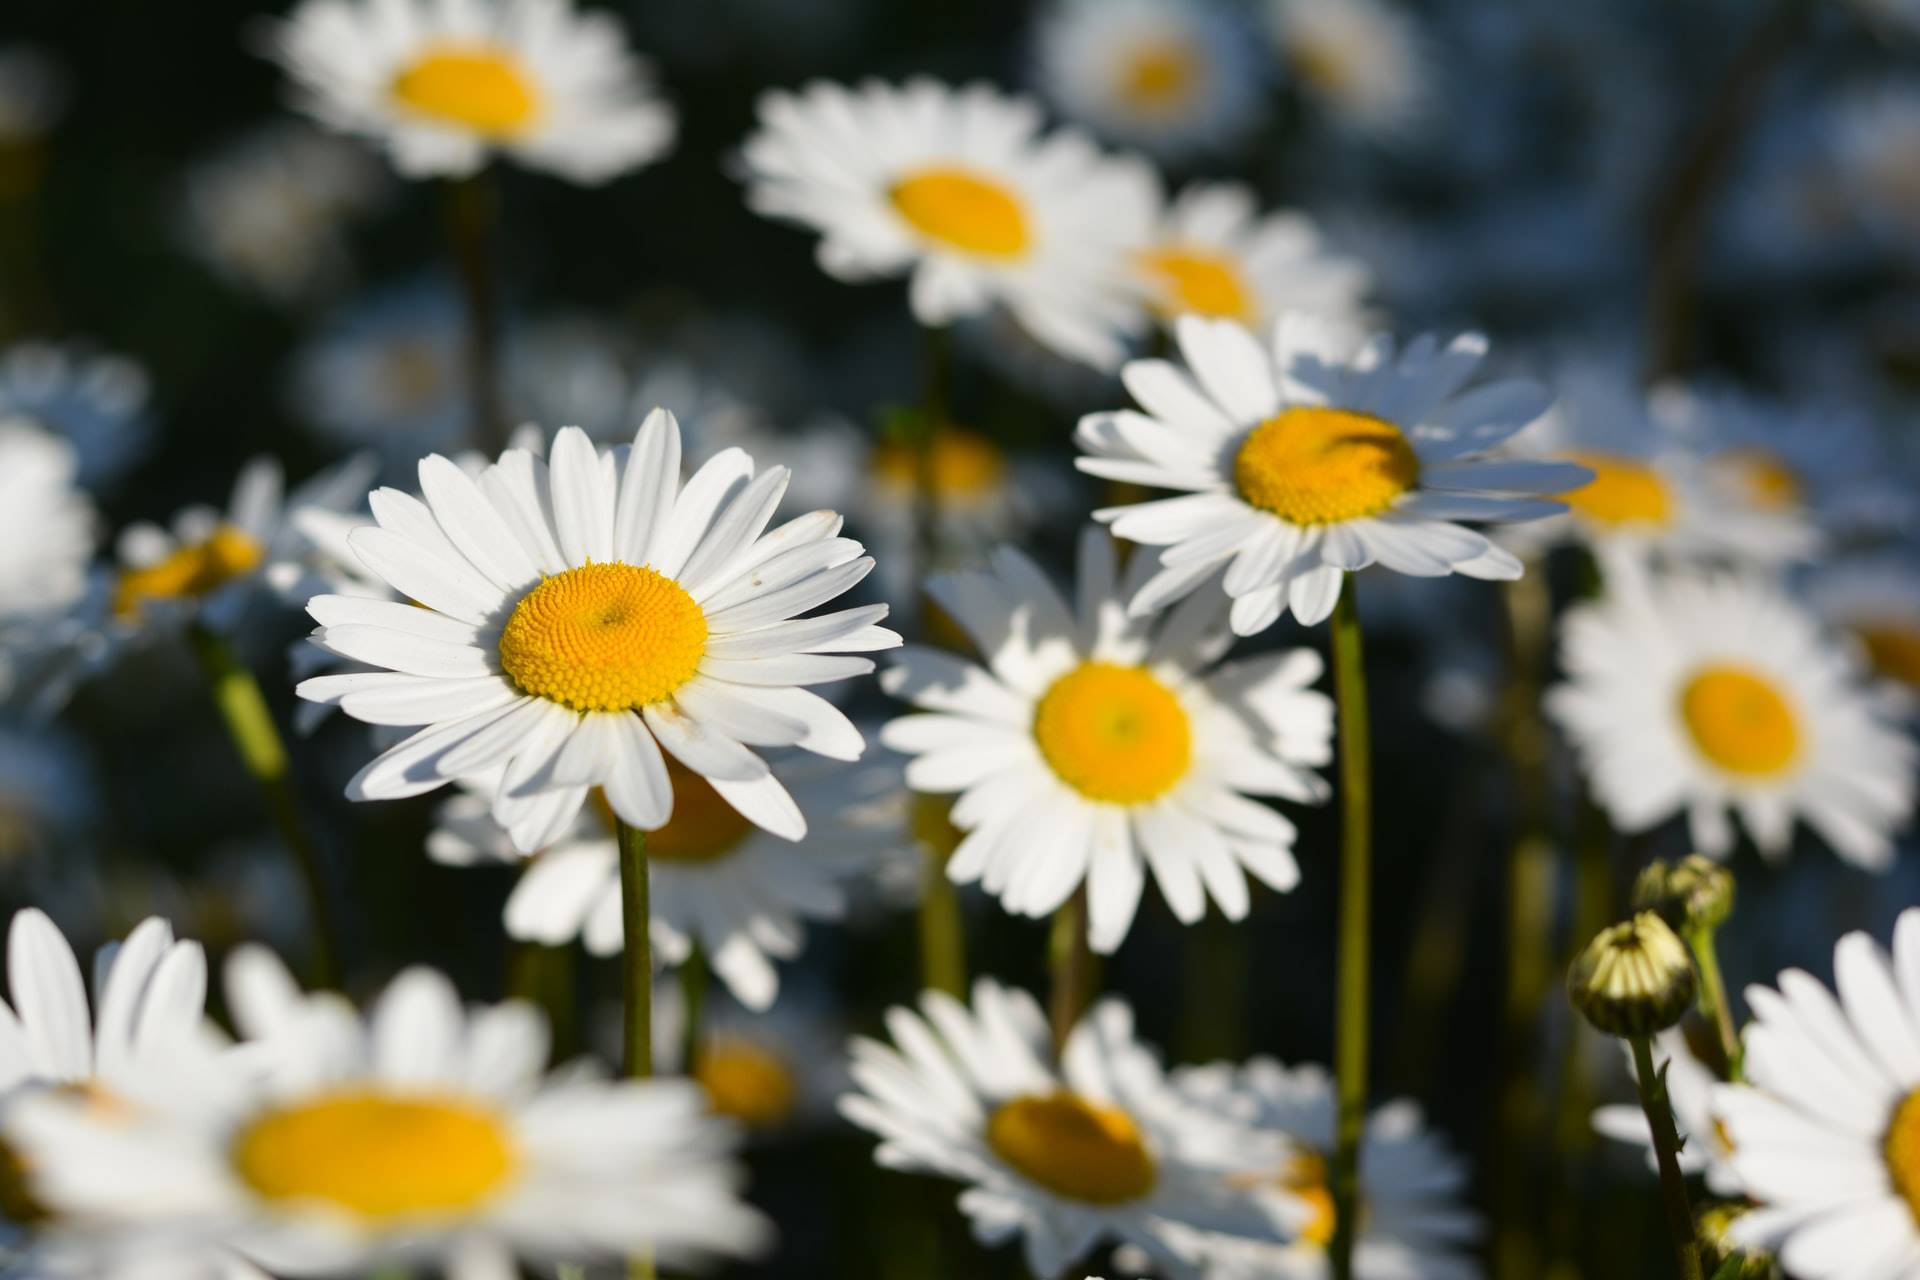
{"x": 604, "y": 637}
{"x": 1901, "y": 1147}
{"x": 1310, "y": 465}
{"x": 191, "y": 571}
{"x": 746, "y": 1082}
{"x": 703, "y": 827}
{"x": 1763, "y": 477}
{"x": 384, "y": 1157}
{"x": 1197, "y": 281}
{"x": 1893, "y": 648}
{"x": 964, "y": 465}
{"x": 1074, "y": 1148}
{"x": 1740, "y": 721}
{"x": 1622, "y": 491}
{"x": 1305, "y": 1176}
{"x": 1160, "y": 75}
{"x": 963, "y": 210}
{"x": 477, "y": 87}
{"x": 1114, "y": 734}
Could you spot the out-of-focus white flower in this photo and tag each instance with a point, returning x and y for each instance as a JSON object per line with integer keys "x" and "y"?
{"x": 1360, "y": 61}
{"x": 95, "y": 399}
{"x": 389, "y": 374}
{"x": 1876, "y": 600}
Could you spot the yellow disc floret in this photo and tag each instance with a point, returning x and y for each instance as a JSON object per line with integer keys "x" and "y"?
{"x": 192, "y": 571}
{"x": 1073, "y": 1147}
{"x": 961, "y": 464}
{"x": 1197, "y": 281}
{"x": 1114, "y": 734}
{"x": 746, "y": 1082}
{"x": 1311, "y": 465}
{"x": 1305, "y": 1176}
{"x": 1622, "y": 492}
{"x": 1894, "y": 649}
{"x": 1764, "y": 478}
{"x": 1740, "y": 720}
{"x": 477, "y": 87}
{"x": 963, "y": 210}
{"x": 604, "y": 637}
{"x": 379, "y": 1156}
{"x": 1901, "y": 1147}
{"x": 1159, "y": 76}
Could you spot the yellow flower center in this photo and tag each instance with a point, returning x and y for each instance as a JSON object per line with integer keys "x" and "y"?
{"x": 604, "y": 637}
{"x": 1074, "y": 1148}
{"x": 379, "y": 1156}
{"x": 192, "y": 571}
{"x": 1901, "y": 1147}
{"x": 1113, "y": 733}
{"x": 964, "y": 465}
{"x": 963, "y": 210}
{"x": 1764, "y": 477}
{"x": 703, "y": 826}
{"x": 1893, "y": 648}
{"x": 1160, "y": 75}
{"x": 1305, "y": 1176}
{"x": 413, "y": 374}
{"x": 746, "y": 1082}
{"x": 1310, "y": 465}
{"x": 1740, "y": 720}
{"x": 1197, "y": 281}
{"x": 477, "y": 87}
{"x": 1622, "y": 491}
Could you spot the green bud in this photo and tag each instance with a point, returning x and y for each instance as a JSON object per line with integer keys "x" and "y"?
{"x": 1695, "y": 895}
{"x": 1634, "y": 979}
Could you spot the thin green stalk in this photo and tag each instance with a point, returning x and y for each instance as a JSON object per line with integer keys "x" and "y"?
{"x": 1356, "y": 886}
{"x": 636, "y": 966}
{"x": 1666, "y": 1146}
{"x": 543, "y": 976}
{"x": 1713, "y": 1000}
{"x": 943, "y": 939}
{"x": 473, "y": 214}
{"x": 1071, "y": 965}
{"x": 243, "y": 709}
{"x": 693, "y": 1000}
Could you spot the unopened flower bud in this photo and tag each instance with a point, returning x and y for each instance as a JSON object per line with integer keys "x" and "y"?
{"x": 1693, "y": 895}
{"x": 1634, "y": 979}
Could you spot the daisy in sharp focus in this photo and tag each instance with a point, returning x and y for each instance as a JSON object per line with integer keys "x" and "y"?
{"x": 1414, "y": 1216}
{"x": 576, "y": 616}
{"x": 1099, "y": 1150}
{"x": 1716, "y": 696}
{"x": 424, "y": 1134}
{"x": 1316, "y": 455}
{"x": 1362, "y": 62}
{"x": 445, "y": 85}
{"x": 1691, "y": 1086}
{"x": 1826, "y": 1131}
{"x": 1096, "y": 745}
{"x": 1172, "y": 76}
{"x": 744, "y": 895}
{"x": 95, "y": 399}
{"x": 958, "y": 189}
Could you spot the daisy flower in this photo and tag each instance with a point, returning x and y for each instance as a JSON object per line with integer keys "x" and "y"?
{"x": 1315, "y": 456}
{"x": 445, "y": 85}
{"x": 424, "y": 1134}
{"x": 579, "y": 615}
{"x": 1360, "y": 61}
{"x": 1172, "y": 76}
{"x": 1716, "y": 696}
{"x": 1095, "y": 744}
{"x": 1414, "y": 1220}
{"x": 743, "y": 894}
{"x": 46, "y": 525}
{"x": 1826, "y": 1133}
{"x": 1099, "y": 1150}
{"x": 1691, "y": 1086}
{"x": 958, "y": 188}
{"x": 775, "y": 1072}
{"x": 1876, "y": 600}
{"x": 1214, "y": 254}
{"x": 95, "y": 399}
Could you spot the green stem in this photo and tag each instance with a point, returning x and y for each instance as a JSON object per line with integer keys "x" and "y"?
{"x": 1356, "y": 885}
{"x": 636, "y": 964}
{"x": 1713, "y": 1000}
{"x": 943, "y": 938}
{"x": 473, "y": 214}
{"x": 1071, "y": 965}
{"x": 243, "y": 709}
{"x": 693, "y": 1000}
{"x": 1666, "y": 1146}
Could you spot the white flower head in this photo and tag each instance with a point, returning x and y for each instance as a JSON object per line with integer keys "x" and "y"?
{"x": 389, "y": 374}
{"x": 1362, "y": 62}
{"x": 46, "y": 524}
{"x": 95, "y": 399}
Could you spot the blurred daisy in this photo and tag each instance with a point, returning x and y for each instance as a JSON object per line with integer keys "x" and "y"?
{"x": 742, "y": 894}
{"x": 46, "y": 525}
{"x": 1875, "y": 599}
{"x": 266, "y": 211}
{"x": 1097, "y": 744}
{"x": 957, "y": 188}
{"x": 1319, "y": 456}
{"x": 389, "y": 374}
{"x": 774, "y": 1072}
{"x": 1690, "y": 1091}
{"x": 95, "y": 399}
{"x": 444, "y": 87}
{"x": 579, "y": 615}
{"x": 1874, "y": 138}
{"x": 425, "y": 1134}
{"x": 1413, "y": 1217}
{"x": 1099, "y": 1150}
{"x": 1360, "y": 61}
{"x": 1718, "y": 696}
{"x": 1214, "y": 254}
{"x": 1171, "y": 76}
{"x": 1826, "y": 1134}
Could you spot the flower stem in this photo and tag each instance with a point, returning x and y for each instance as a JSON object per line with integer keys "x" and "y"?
{"x": 1356, "y": 884}
{"x": 473, "y": 214}
{"x": 1074, "y": 971}
{"x": 1666, "y": 1146}
{"x": 1713, "y": 999}
{"x": 943, "y": 939}
{"x": 637, "y": 977}
{"x": 243, "y": 709}
{"x": 693, "y": 999}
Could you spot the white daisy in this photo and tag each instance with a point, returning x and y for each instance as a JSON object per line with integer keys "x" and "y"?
{"x": 1319, "y": 456}
{"x": 1716, "y": 696}
{"x": 423, "y": 1134}
{"x": 958, "y": 188}
{"x": 775, "y": 1072}
{"x": 742, "y": 894}
{"x": 389, "y": 374}
{"x": 444, "y": 85}
{"x": 1096, "y": 744}
{"x": 1098, "y": 1150}
{"x": 580, "y": 615}
{"x": 95, "y": 399}
{"x": 1214, "y": 254}
{"x": 1360, "y": 61}
{"x": 1876, "y": 600}
{"x": 1414, "y": 1221}
{"x": 1172, "y": 76}
{"x": 46, "y": 525}
{"x": 1826, "y": 1134}
{"x": 1690, "y": 1091}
